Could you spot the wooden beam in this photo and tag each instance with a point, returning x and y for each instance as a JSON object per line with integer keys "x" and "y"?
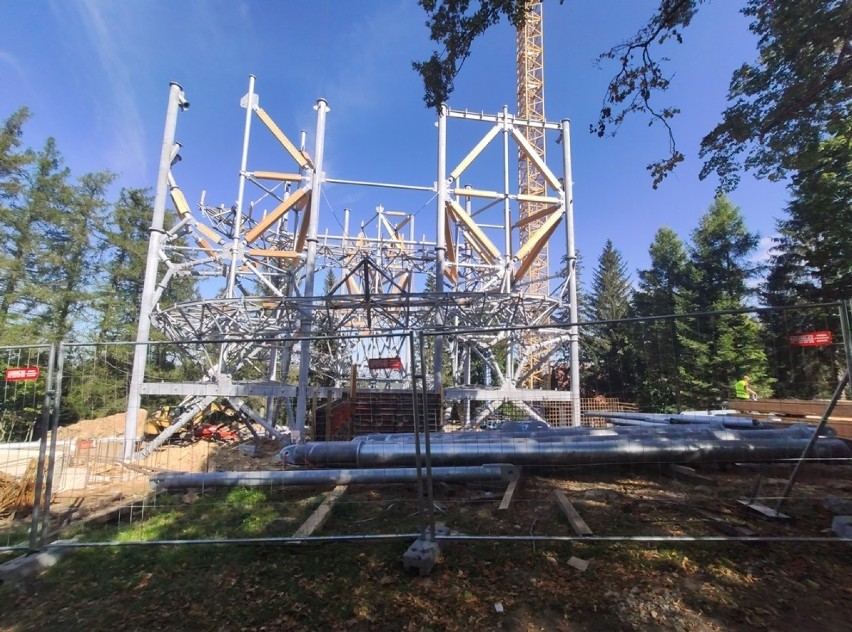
{"x": 546, "y": 199}
{"x": 276, "y": 213}
{"x": 297, "y": 155}
{"x": 276, "y": 254}
{"x": 206, "y": 247}
{"x": 577, "y": 523}
{"x": 179, "y": 200}
{"x": 479, "y": 193}
{"x": 532, "y": 154}
{"x": 276, "y": 175}
{"x": 317, "y": 519}
{"x": 451, "y": 272}
{"x": 352, "y": 285}
{"x": 482, "y": 144}
{"x": 535, "y": 216}
{"x": 303, "y": 231}
{"x": 209, "y": 233}
{"x": 529, "y": 251}
{"x": 404, "y": 279}
{"x": 393, "y": 233}
{"x": 477, "y": 238}
{"x": 509, "y": 496}
{"x": 792, "y": 407}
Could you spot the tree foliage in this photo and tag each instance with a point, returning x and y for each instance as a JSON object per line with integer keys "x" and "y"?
{"x": 606, "y": 347}
{"x": 455, "y": 26}
{"x": 719, "y": 349}
{"x": 812, "y": 263}
{"x": 786, "y": 102}
{"x": 663, "y": 289}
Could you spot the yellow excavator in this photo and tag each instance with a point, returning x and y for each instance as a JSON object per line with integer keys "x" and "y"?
{"x": 213, "y": 422}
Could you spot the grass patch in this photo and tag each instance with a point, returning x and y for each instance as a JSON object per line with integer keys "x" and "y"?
{"x": 363, "y": 585}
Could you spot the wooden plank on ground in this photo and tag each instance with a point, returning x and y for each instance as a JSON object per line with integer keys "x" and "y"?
{"x": 725, "y": 526}
{"x": 763, "y": 510}
{"x": 322, "y": 514}
{"x": 687, "y": 474}
{"x": 574, "y": 517}
{"x": 510, "y": 492}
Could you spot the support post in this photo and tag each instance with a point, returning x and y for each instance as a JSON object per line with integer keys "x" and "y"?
{"x": 310, "y": 269}
{"x": 440, "y": 243}
{"x": 571, "y": 255}
{"x": 44, "y": 425}
{"x": 249, "y": 102}
{"x": 177, "y": 100}
{"x": 54, "y": 435}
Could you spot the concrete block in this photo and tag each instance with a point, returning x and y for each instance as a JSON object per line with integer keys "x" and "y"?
{"x": 29, "y": 565}
{"x": 424, "y": 553}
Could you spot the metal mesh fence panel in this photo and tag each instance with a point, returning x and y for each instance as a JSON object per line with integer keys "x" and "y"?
{"x": 661, "y": 450}
{"x": 26, "y": 374}
{"x": 672, "y": 444}
{"x": 207, "y": 460}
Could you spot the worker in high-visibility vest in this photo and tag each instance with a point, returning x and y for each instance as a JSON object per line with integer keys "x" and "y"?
{"x": 743, "y": 390}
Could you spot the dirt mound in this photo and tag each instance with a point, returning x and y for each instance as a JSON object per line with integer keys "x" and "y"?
{"x": 111, "y": 426}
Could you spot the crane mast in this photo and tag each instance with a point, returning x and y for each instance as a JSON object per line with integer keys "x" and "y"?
{"x": 530, "y": 179}
{"x": 531, "y": 107}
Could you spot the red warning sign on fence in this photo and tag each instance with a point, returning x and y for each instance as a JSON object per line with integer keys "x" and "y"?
{"x": 22, "y": 373}
{"x": 811, "y": 339}
{"x": 385, "y": 363}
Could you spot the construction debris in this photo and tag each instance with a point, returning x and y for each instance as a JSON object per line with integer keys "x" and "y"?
{"x": 18, "y": 494}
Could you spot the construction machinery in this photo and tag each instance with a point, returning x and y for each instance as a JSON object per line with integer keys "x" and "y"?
{"x": 215, "y": 422}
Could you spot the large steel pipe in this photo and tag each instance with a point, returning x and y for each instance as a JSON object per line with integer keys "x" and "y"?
{"x": 488, "y": 472}
{"x": 590, "y": 433}
{"x": 728, "y": 421}
{"x": 710, "y": 446}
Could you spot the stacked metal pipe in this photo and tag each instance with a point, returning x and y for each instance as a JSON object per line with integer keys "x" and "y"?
{"x": 572, "y": 447}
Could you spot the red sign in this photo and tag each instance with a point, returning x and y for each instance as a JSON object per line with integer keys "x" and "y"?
{"x": 23, "y": 373}
{"x": 811, "y": 339}
{"x": 385, "y": 363}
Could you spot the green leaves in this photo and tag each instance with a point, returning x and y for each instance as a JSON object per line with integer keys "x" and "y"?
{"x": 455, "y": 26}
{"x": 786, "y": 102}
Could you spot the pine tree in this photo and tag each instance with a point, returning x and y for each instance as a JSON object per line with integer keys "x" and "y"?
{"x": 70, "y": 254}
{"x": 126, "y": 244}
{"x": 717, "y": 350}
{"x": 25, "y": 294}
{"x": 812, "y": 263}
{"x": 607, "y": 348}
{"x": 16, "y": 238}
{"x": 662, "y": 290}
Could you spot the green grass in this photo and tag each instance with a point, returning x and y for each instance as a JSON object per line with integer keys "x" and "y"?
{"x": 363, "y": 585}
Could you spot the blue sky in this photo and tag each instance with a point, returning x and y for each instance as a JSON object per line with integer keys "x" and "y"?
{"x": 95, "y": 74}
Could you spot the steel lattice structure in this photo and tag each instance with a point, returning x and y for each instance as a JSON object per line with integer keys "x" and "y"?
{"x": 481, "y": 277}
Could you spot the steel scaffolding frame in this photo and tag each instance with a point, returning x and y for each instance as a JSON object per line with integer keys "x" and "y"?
{"x": 469, "y": 283}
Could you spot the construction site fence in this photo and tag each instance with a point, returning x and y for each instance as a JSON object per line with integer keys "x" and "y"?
{"x": 420, "y": 473}
{"x": 27, "y": 464}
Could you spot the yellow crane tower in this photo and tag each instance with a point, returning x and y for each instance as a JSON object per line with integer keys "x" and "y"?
{"x": 530, "y": 179}
{"x": 531, "y": 107}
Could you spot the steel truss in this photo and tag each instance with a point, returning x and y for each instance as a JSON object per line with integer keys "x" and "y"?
{"x": 468, "y": 285}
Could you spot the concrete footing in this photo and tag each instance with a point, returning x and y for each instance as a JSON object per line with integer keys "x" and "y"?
{"x": 424, "y": 553}
{"x": 30, "y": 565}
